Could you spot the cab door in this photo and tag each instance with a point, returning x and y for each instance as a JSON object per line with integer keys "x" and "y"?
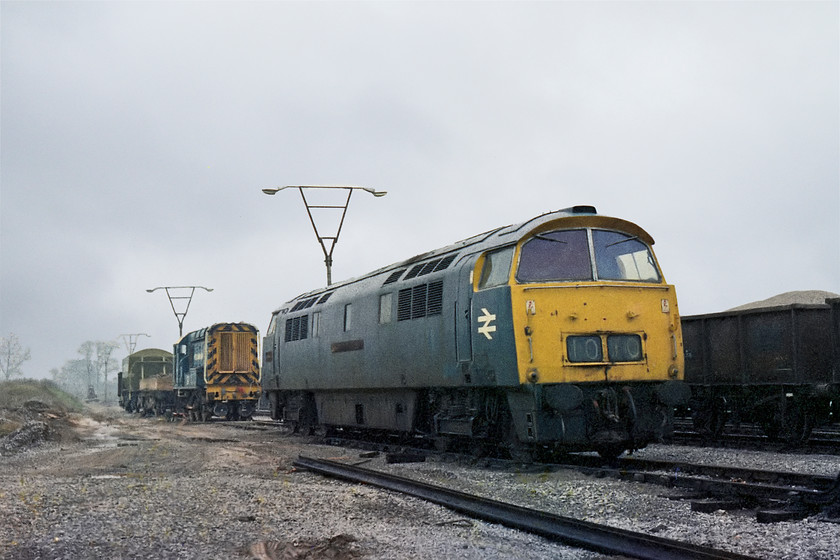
{"x": 463, "y": 312}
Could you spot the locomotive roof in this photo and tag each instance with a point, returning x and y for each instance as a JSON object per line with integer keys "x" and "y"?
{"x": 149, "y": 352}
{"x": 577, "y": 216}
{"x": 199, "y": 333}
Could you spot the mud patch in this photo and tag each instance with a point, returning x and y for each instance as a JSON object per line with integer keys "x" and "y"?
{"x": 340, "y": 547}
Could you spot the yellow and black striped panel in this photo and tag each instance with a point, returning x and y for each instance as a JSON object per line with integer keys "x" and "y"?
{"x": 233, "y": 358}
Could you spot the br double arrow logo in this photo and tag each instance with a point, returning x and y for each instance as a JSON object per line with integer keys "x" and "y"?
{"x": 486, "y": 328}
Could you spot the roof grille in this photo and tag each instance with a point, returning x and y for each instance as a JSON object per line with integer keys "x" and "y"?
{"x": 415, "y": 270}
{"x": 429, "y": 267}
{"x": 325, "y": 297}
{"x": 445, "y": 262}
{"x": 394, "y": 276}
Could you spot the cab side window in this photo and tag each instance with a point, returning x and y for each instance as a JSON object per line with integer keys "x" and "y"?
{"x": 496, "y": 268}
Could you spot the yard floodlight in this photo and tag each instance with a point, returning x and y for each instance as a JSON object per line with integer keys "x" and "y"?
{"x": 343, "y": 207}
{"x": 130, "y": 340}
{"x": 179, "y": 315}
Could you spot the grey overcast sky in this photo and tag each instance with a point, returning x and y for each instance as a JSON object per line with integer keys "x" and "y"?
{"x": 136, "y": 138}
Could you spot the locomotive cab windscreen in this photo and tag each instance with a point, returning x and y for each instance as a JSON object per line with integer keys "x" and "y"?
{"x": 586, "y": 254}
{"x": 573, "y": 316}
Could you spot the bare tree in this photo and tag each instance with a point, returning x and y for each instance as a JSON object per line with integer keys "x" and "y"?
{"x": 72, "y": 378}
{"x": 12, "y": 356}
{"x": 104, "y": 364}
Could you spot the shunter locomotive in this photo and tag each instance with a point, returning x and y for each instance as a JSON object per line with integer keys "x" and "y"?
{"x": 559, "y": 333}
{"x": 217, "y": 371}
{"x": 214, "y": 371}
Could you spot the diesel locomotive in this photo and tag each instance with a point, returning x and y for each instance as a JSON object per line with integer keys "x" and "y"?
{"x": 214, "y": 371}
{"x": 556, "y": 334}
{"x": 217, "y": 371}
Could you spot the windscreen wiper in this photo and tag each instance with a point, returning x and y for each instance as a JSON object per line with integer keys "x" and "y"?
{"x": 544, "y": 238}
{"x": 622, "y": 241}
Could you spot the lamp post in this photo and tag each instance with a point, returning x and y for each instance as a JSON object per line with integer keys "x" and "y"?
{"x": 130, "y": 340}
{"x": 328, "y": 260}
{"x": 179, "y": 315}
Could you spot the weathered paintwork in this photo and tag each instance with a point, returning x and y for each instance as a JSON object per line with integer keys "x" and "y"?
{"x": 434, "y": 329}
{"x": 217, "y": 369}
{"x": 775, "y": 366}
{"x": 788, "y": 344}
{"x": 144, "y": 364}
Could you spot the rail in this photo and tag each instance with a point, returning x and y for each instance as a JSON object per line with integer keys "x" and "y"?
{"x": 574, "y": 532}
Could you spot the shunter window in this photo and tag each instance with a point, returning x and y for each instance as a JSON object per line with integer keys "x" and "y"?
{"x": 198, "y": 353}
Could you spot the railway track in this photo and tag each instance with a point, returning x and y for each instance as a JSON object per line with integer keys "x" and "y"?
{"x": 773, "y": 495}
{"x": 751, "y": 436}
{"x": 776, "y": 496}
{"x": 574, "y": 532}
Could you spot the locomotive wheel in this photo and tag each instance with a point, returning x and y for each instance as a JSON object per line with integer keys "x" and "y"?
{"x": 517, "y": 450}
{"x": 478, "y": 448}
{"x": 611, "y": 451}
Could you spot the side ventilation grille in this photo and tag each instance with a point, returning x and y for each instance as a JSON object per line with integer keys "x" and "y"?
{"x": 297, "y": 328}
{"x": 420, "y": 301}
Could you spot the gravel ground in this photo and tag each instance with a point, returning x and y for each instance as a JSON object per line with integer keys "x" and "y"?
{"x": 141, "y": 488}
{"x": 647, "y": 508}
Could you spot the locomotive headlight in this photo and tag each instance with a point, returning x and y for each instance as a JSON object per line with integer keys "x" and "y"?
{"x": 620, "y": 348}
{"x": 624, "y": 347}
{"x": 584, "y": 349}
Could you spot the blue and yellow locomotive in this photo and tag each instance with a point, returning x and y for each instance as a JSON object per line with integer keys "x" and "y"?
{"x": 558, "y": 333}
{"x": 217, "y": 372}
